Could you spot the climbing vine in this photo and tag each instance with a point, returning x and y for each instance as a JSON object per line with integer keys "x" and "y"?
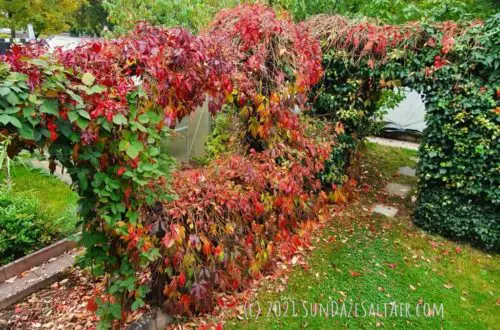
{"x": 455, "y": 66}
{"x": 102, "y": 111}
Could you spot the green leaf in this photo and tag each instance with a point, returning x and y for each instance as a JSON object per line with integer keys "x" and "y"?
{"x": 11, "y": 110}
{"x": 88, "y": 79}
{"x": 73, "y": 116}
{"x": 122, "y": 146}
{"x": 4, "y": 119}
{"x": 138, "y": 303}
{"x": 116, "y": 310}
{"x": 97, "y": 89}
{"x": 119, "y": 119}
{"x": 84, "y": 114}
{"x": 4, "y": 91}
{"x": 15, "y": 122}
{"x": 144, "y": 118}
{"x": 28, "y": 111}
{"x": 50, "y": 106}
{"x": 27, "y": 133}
{"x": 132, "y": 151}
{"x": 12, "y": 98}
{"x": 82, "y": 123}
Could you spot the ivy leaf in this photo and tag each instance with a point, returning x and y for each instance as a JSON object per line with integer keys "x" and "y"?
{"x": 84, "y": 114}
{"x": 5, "y": 119}
{"x": 73, "y": 116}
{"x": 50, "y": 107}
{"x": 116, "y": 310}
{"x": 133, "y": 150}
{"x": 144, "y": 118}
{"x": 97, "y": 89}
{"x": 26, "y": 132}
{"x": 82, "y": 123}
{"x": 88, "y": 79}
{"x": 119, "y": 119}
{"x": 4, "y": 91}
{"x": 12, "y": 98}
{"x": 138, "y": 303}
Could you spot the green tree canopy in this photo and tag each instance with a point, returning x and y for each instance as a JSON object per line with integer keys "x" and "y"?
{"x": 47, "y": 16}
{"x": 191, "y": 14}
{"x": 393, "y": 11}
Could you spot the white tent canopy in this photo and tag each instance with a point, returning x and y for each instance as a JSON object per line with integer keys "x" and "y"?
{"x": 409, "y": 115}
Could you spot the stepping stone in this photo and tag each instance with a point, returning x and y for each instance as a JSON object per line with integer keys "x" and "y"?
{"x": 408, "y": 171}
{"x": 388, "y": 211}
{"x": 400, "y": 190}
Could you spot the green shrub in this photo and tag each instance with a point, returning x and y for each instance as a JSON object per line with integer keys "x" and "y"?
{"x": 447, "y": 213}
{"x": 23, "y": 228}
{"x": 218, "y": 140}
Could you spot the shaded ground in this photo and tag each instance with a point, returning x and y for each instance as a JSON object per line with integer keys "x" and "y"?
{"x": 371, "y": 259}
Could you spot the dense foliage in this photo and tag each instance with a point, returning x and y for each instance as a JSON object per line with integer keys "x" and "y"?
{"x": 191, "y": 14}
{"x": 456, "y": 67}
{"x": 23, "y": 227}
{"x": 393, "y": 11}
{"x": 102, "y": 111}
{"x": 47, "y": 16}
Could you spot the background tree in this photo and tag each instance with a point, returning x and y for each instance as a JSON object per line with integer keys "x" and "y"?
{"x": 47, "y": 16}
{"x": 393, "y": 11}
{"x": 191, "y": 14}
{"x": 90, "y": 18}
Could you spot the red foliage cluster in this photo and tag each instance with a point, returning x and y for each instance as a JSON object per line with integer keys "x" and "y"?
{"x": 234, "y": 217}
{"x": 229, "y": 217}
{"x": 269, "y": 51}
{"x": 172, "y": 65}
{"x": 276, "y": 62}
{"x": 366, "y": 39}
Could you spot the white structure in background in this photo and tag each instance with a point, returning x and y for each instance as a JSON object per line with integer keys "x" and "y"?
{"x": 409, "y": 115}
{"x": 65, "y": 41}
{"x": 31, "y": 32}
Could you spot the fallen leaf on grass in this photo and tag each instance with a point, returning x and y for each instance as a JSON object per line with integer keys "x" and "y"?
{"x": 354, "y": 273}
{"x": 412, "y": 287}
{"x": 448, "y": 286}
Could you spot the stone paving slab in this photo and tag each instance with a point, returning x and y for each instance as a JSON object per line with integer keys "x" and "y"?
{"x": 388, "y": 211}
{"x": 15, "y": 289}
{"x": 407, "y": 171}
{"x": 400, "y": 190}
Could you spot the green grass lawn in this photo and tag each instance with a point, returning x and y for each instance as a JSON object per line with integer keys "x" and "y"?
{"x": 370, "y": 259}
{"x": 56, "y": 198}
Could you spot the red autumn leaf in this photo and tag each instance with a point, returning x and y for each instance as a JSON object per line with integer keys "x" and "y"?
{"x": 354, "y": 273}
{"x": 207, "y": 248}
{"x": 182, "y": 280}
{"x": 91, "y": 305}
{"x": 121, "y": 170}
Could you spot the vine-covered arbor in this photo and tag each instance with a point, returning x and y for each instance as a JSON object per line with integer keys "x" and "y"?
{"x": 456, "y": 67}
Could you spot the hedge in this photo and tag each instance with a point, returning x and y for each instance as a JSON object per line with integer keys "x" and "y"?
{"x": 456, "y": 66}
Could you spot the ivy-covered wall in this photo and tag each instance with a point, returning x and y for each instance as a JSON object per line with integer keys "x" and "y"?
{"x": 456, "y": 67}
